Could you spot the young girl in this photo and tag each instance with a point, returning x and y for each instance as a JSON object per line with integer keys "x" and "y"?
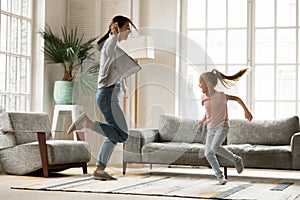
{"x": 216, "y": 115}
{"x": 114, "y": 68}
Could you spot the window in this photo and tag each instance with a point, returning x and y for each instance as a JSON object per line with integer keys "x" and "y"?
{"x": 275, "y": 59}
{"x": 240, "y": 33}
{"x": 15, "y": 54}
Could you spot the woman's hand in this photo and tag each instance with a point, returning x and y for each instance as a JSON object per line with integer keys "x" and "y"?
{"x": 114, "y": 28}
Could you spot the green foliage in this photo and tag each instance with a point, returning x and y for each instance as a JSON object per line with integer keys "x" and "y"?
{"x": 75, "y": 55}
{"x": 87, "y": 78}
{"x": 69, "y": 50}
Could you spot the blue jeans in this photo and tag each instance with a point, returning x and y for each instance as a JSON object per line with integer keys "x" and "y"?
{"x": 214, "y": 139}
{"x": 114, "y": 128}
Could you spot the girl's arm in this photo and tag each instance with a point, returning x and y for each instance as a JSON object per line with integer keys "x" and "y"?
{"x": 248, "y": 114}
{"x": 202, "y": 120}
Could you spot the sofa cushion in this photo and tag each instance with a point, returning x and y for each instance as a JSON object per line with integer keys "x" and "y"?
{"x": 175, "y": 129}
{"x": 174, "y": 153}
{"x": 264, "y": 132}
{"x": 262, "y": 156}
{"x": 24, "y": 122}
{"x": 6, "y": 140}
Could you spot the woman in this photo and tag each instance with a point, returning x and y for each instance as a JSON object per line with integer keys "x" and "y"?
{"x": 112, "y": 74}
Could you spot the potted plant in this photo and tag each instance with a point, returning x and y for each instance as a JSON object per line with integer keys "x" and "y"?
{"x": 72, "y": 53}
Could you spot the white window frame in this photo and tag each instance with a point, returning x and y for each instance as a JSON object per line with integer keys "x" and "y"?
{"x": 7, "y": 95}
{"x": 250, "y": 99}
{"x": 276, "y": 65}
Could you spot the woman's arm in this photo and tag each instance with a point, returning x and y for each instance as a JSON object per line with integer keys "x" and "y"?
{"x": 110, "y": 47}
{"x": 248, "y": 114}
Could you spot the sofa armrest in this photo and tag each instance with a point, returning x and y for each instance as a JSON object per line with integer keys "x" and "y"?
{"x": 295, "y": 142}
{"x": 137, "y": 138}
{"x": 295, "y": 148}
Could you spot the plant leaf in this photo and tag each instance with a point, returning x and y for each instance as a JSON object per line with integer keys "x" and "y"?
{"x": 69, "y": 50}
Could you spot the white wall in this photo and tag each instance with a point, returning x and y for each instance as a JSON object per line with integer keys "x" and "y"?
{"x": 157, "y": 78}
{"x": 158, "y": 13}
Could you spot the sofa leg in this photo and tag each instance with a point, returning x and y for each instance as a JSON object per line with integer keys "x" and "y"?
{"x": 84, "y": 169}
{"x": 124, "y": 167}
{"x": 225, "y": 172}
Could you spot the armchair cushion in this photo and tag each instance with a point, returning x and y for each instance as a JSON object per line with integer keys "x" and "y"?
{"x": 67, "y": 151}
{"x": 21, "y": 159}
{"x": 30, "y": 147}
{"x": 28, "y": 155}
{"x": 29, "y": 122}
{"x": 6, "y": 140}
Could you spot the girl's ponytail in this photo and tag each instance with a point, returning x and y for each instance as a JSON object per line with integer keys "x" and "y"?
{"x": 229, "y": 81}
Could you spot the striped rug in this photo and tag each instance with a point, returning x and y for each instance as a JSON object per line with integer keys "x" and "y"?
{"x": 173, "y": 185}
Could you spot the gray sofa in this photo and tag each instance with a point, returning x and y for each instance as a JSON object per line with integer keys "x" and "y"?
{"x": 267, "y": 144}
{"x": 30, "y": 147}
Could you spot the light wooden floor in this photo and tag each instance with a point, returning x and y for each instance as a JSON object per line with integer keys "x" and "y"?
{"x": 6, "y": 181}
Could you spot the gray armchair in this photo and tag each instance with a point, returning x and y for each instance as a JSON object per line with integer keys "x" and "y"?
{"x": 29, "y": 146}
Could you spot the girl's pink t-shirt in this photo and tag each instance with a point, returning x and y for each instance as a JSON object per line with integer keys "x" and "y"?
{"x": 216, "y": 109}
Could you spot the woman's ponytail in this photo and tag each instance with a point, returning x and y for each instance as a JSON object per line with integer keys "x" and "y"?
{"x": 102, "y": 40}
{"x": 121, "y": 20}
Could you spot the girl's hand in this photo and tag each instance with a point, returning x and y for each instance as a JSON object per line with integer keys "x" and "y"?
{"x": 114, "y": 28}
{"x": 4, "y": 131}
{"x": 248, "y": 116}
{"x": 202, "y": 120}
